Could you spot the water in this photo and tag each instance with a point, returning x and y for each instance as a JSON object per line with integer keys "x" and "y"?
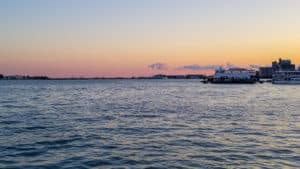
{"x": 148, "y": 124}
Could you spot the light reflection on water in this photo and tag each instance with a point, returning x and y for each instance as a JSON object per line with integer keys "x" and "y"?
{"x": 148, "y": 123}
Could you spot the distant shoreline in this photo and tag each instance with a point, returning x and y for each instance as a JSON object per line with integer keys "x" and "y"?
{"x": 160, "y": 76}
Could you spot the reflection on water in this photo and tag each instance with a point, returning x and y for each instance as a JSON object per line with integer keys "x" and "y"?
{"x": 148, "y": 123}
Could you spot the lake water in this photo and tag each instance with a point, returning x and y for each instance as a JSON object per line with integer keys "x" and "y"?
{"x": 148, "y": 124}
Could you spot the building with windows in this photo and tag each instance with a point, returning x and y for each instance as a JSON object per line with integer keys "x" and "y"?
{"x": 283, "y": 65}
{"x": 280, "y": 65}
{"x": 265, "y": 72}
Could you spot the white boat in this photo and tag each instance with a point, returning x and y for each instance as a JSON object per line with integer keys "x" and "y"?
{"x": 286, "y": 77}
{"x": 234, "y": 75}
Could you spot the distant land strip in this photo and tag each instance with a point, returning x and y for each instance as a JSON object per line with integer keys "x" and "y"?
{"x": 159, "y": 76}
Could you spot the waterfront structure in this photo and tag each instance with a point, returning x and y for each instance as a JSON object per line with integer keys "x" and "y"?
{"x": 15, "y": 77}
{"x": 194, "y": 76}
{"x": 280, "y": 65}
{"x": 1, "y": 76}
{"x": 190, "y": 76}
{"x": 21, "y": 77}
{"x": 286, "y": 77}
{"x": 159, "y": 76}
{"x": 283, "y": 65}
{"x": 265, "y": 72}
{"x": 175, "y": 77}
{"x": 234, "y": 75}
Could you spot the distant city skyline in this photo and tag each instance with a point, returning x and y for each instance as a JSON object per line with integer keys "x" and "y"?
{"x": 123, "y": 38}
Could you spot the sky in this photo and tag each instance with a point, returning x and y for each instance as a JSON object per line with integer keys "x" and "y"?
{"x": 124, "y": 38}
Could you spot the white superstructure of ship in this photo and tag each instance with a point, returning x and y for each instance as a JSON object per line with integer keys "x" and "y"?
{"x": 234, "y": 75}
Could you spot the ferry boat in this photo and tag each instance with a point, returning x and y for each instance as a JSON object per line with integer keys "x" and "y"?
{"x": 235, "y": 75}
{"x": 286, "y": 77}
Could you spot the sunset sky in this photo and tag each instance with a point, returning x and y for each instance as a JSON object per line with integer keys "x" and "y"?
{"x": 111, "y": 38}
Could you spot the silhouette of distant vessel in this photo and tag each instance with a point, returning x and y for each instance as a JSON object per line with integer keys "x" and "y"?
{"x": 286, "y": 77}
{"x": 234, "y": 75}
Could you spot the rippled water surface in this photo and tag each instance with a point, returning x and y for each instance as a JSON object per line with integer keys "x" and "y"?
{"x": 148, "y": 124}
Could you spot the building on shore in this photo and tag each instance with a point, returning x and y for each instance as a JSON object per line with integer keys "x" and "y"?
{"x": 15, "y": 77}
{"x": 194, "y": 76}
{"x": 283, "y": 65}
{"x": 1, "y": 76}
{"x": 265, "y": 72}
{"x": 159, "y": 76}
{"x": 280, "y": 65}
{"x": 175, "y": 77}
{"x": 189, "y": 76}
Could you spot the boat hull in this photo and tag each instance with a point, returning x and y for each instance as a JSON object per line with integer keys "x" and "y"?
{"x": 287, "y": 82}
{"x": 286, "y": 77}
{"x": 229, "y": 81}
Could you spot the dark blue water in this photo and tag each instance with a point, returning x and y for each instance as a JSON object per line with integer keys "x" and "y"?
{"x": 148, "y": 124}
